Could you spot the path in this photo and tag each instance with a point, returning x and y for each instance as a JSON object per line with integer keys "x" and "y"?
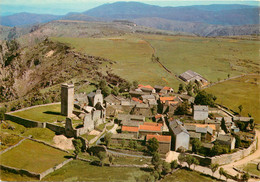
{"x": 255, "y": 155}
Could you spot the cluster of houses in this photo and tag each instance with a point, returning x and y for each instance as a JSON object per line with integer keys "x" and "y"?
{"x": 145, "y": 114}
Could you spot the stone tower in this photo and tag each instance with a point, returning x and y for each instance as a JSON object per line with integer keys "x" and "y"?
{"x": 67, "y": 99}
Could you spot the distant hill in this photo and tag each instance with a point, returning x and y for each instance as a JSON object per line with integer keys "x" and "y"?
{"x": 201, "y": 29}
{"x": 210, "y": 14}
{"x": 27, "y": 19}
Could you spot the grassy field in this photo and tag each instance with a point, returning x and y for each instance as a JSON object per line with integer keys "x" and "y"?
{"x": 243, "y": 91}
{"x": 49, "y": 113}
{"x": 83, "y": 171}
{"x": 33, "y": 156}
{"x": 213, "y": 58}
{"x": 132, "y": 54}
{"x": 251, "y": 168}
{"x": 183, "y": 175}
{"x": 42, "y": 134}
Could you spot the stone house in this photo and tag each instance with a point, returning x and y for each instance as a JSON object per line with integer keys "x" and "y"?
{"x": 112, "y": 100}
{"x": 164, "y": 142}
{"x": 95, "y": 97}
{"x": 150, "y": 128}
{"x": 147, "y": 88}
{"x": 133, "y": 130}
{"x": 200, "y": 112}
{"x": 180, "y": 136}
{"x": 226, "y": 140}
{"x": 189, "y": 76}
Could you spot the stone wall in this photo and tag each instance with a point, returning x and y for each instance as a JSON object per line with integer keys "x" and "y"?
{"x": 228, "y": 158}
{"x": 20, "y": 171}
{"x": 25, "y": 122}
{"x": 55, "y": 128}
{"x": 48, "y": 171}
{"x": 9, "y": 148}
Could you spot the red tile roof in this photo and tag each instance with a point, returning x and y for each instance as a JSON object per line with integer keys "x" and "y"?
{"x": 164, "y": 99}
{"x": 137, "y": 100}
{"x": 160, "y": 138}
{"x": 152, "y": 124}
{"x": 167, "y": 88}
{"x": 158, "y": 116}
{"x": 150, "y": 128}
{"x": 145, "y": 86}
{"x": 130, "y": 128}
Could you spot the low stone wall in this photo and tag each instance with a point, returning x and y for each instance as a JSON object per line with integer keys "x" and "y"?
{"x": 20, "y": 171}
{"x": 228, "y": 158}
{"x": 25, "y": 122}
{"x": 126, "y": 151}
{"x": 204, "y": 161}
{"x": 49, "y": 145}
{"x": 97, "y": 137}
{"x": 48, "y": 171}
{"x": 55, "y": 128}
{"x": 251, "y": 175}
{"x": 132, "y": 165}
{"x": 12, "y": 146}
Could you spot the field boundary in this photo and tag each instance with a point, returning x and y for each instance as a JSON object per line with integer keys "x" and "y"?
{"x": 9, "y": 148}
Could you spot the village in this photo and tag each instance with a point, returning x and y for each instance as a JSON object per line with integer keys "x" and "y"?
{"x": 184, "y": 126}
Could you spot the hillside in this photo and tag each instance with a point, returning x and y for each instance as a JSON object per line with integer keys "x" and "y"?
{"x": 212, "y": 14}
{"x": 27, "y": 19}
{"x": 201, "y": 29}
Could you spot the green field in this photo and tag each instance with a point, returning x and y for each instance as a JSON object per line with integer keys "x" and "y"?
{"x": 42, "y": 134}
{"x": 83, "y": 171}
{"x": 183, "y": 175}
{"x": 132, "y": 54}
{"x": 49, "y": 113}
{"x": 33, "y": 156}
{"x": 213, "y": 58}
{"x": 243, "y": 91}
{"x": 251, "y": 168}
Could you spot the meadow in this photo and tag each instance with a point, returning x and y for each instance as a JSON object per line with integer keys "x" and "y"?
{"x": 33, "y": 156}
{"x": 213, "y": 58}
{"x": 49, "y": 113}
{"x": 241, "y": 91}
{"x": 183, "y": 175}
{"x": 83, "y": 171}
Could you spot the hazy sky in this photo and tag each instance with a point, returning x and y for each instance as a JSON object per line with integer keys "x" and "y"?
{"x": 61, "y": 7}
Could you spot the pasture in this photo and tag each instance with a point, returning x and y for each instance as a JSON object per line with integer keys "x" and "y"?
{"x": 83, "y": 171}
{"x": 48, "y": 113}
{"x": 33, "y": 156}
{"x": 241, "y": 91}
{"x": 183, "y": 175}
{"x": 213, "y": 58}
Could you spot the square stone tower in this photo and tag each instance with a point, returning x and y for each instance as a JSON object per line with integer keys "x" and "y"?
{"x": 67, "y": 99}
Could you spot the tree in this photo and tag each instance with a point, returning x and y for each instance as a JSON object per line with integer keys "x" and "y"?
{"x": 111, "y": 159}
{"x": 152, "y": 145}
{"x": 135, "y": 144}
{"x": 203, "y": 98}
{"x": 240, "y": 107}
{"x": 125, "y": 86}
{"x": 195, "y": 162}
{"x": 2, "y": 113}
{"x": 156, "y": 175}
{"x": 135, "y": 84}
{"x": 219, "y": 149}
{"x": 123, "y": 143}
{"x": 181, "y": 88}
{"x": 77, "y": 145}
{"x": 115, "y": 91}
{"x": 107, "y": 138}
{"x": 238, "y": 141}
{"x": 182, "y": 109}
{"x": 131, "y": 144}
{"x": 182, "y": 158}
{"x": 221, "y": 172}
{"x": 102, "y": 156}
{"x": 196, "y": 145}
{"x": 223, "y": 125}
{"x": 228, "y": 75}
{"x": 106, "y": 91}
{"x": 166, "y": 168}
{"x": 102, "y": 84}
{"x": 156, "y": 159}
{"x": 214, "y": 168}
{"x": 189, "y": 159}
{"x": 245, "y": 177}
{"x": 174, "y": 164}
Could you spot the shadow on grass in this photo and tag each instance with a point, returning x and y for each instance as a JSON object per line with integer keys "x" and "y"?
{"x": 68, "y": 156}
{"x": 52, "y": 113}
{"x": 146, "y": 169}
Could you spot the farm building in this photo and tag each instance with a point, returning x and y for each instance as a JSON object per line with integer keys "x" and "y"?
{"x": 189, "y": 76}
